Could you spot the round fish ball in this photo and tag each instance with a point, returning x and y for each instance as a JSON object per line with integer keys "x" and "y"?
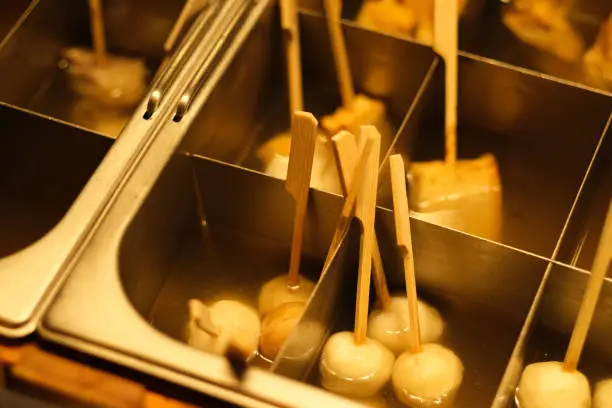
{"x": 428, "y": 379}
{"x": 276, "y": 292}
{"x": 391, "y": 326}
{"x": 353, "y": 370}
{"x": 602, "y": 398}
{"x": 230, "y": 318}
{"x": 549, "y": 384}
{"x": 277, "y": 326}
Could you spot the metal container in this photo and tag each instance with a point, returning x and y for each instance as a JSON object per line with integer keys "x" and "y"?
{"x": 184, "y": 226}
{"x": 56, "y": 179}
{"x": 543, "y": 133}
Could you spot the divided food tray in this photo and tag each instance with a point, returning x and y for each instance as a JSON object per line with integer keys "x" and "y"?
{"x": 180, "y": 209}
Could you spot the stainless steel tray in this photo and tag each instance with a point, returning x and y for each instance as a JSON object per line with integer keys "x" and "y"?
{"x": 195, "y": 218}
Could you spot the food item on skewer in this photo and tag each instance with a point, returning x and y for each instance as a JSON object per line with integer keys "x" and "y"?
{"x": 411, "y": 18}
{"x": 391, "y": 326}
{"x": 426, "y": 375}
{"x": 461, "y": 194}
{"x": 277, "y": 326}
{"x": 293, "y": 287}
{"x": 427, "y": 379}
{"x": 354, "y": 370}
{"x": 598, "y": 59}
{"x": 550, "y": 384}
{"x": 560, "y": 384}
{"x": 356, "y": 110}
{"x": 108, "y": 87}
{"x": 352, "y": 364}
{"x": 276, "y": 293}
{"x": 467, "y": 198}
{"x": 602, "y": 397}
{"x": 544, "y": 24}
{"x": 275, "y": 156}
{"x": 211, "y": 328}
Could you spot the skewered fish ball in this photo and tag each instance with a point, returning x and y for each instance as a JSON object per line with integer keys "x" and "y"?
{"x": 429, "y": 379}
{"x": 277, "y": 326}
{"x": 275, "y": 156}
{"x": 357, "y": 371}
{"x": 277, "y": 292}
{"x": 544, "y": 25}
{"x": 602, "y": 398}
{"x": 210, "y": 328}
{"x": 550, "y": 385}
{"x": 391, "y": 326}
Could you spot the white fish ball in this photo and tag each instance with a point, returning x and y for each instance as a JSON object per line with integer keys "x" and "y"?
{"x": 391, "y": 326}
{"x": 352, "y": 370}
{"x": 602, "y": 398}
{"x": 232, "y": 320}
{"x": 277, "y": 326}
{"x": 550, "y": 385}
{"x": 428, "y": 379}
{"x": 277, "y": 292}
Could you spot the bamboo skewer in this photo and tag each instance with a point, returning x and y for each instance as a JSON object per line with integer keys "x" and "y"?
{"x": 601, "y": 264}
{"x": 350, "y": 197}
{"x": 291, "y": 37}
{"x": 346, "y": 153}
{"x": 445, "y": 43}
{"x": 97, "y": 31}
{"x": 365, "y": 211}
{"x": 303, "y": 139}
{"x": 333, "y": 10}
{"x": 404, "y": 241}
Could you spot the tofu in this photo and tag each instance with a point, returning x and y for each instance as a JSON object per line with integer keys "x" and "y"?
{"x": 468, "y": 199}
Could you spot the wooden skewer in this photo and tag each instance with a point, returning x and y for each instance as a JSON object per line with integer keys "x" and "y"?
{"x": 445, "y": 43}
{"x": 290, "y": 25}
{"x": 404, "y": 241}
{"x": 346, "y": 153}
{"x": 346, "y": 213}
{"x": 303, "y": 139}
{"x": 365, "y": 211}
{"x": 601, "y": 263}
{"x": 333, "y": 10}
{"x": 97, "y": 31}
{"x": 190, "y": 8}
